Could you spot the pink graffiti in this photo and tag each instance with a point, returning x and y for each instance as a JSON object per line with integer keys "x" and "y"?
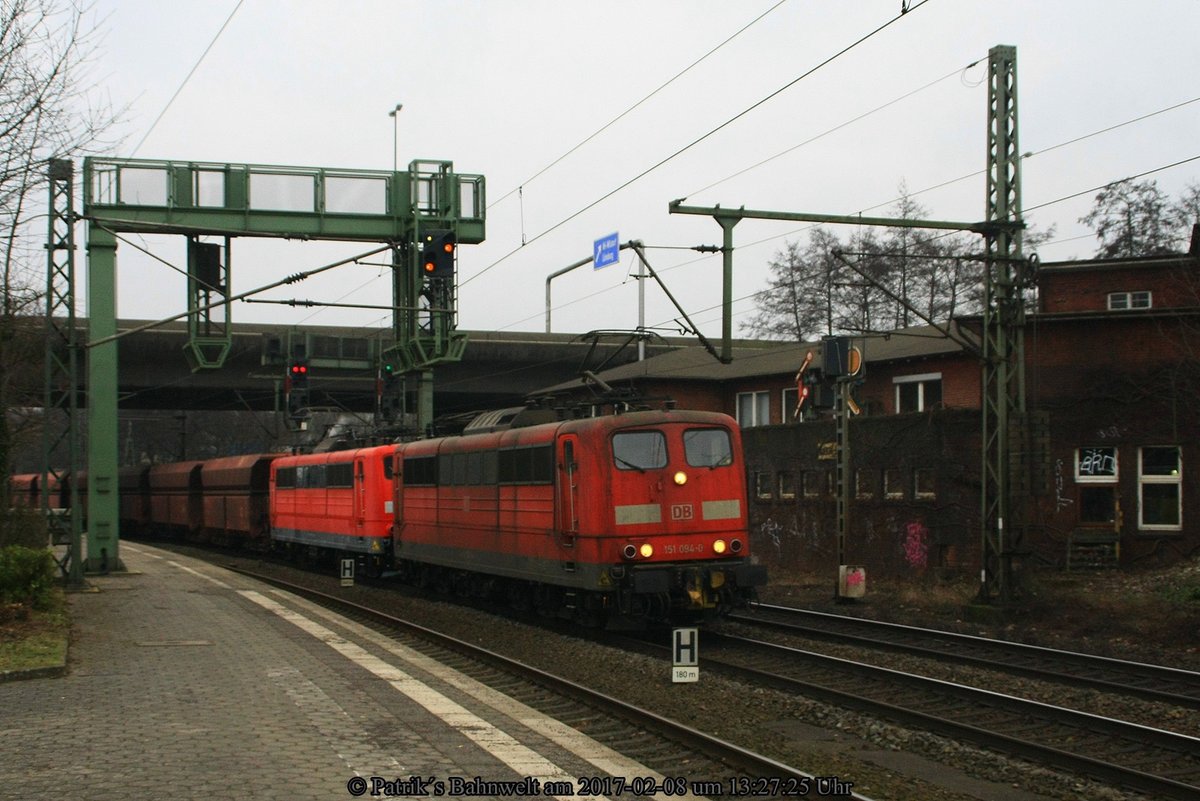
{"x": 854, "y": 578}
{"x": 916, "y": 545}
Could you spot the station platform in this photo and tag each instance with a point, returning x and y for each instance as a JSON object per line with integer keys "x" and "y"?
{"x": 186, "y": 681}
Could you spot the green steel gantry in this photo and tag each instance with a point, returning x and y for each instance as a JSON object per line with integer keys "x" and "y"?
{"x": 1007, "y": 275}
{"x": 60, "y": 357}
{"x": 199, "y": 199}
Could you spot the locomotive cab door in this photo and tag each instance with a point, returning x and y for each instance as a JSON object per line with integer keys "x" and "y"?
{"x": 567, "y": 500}
{"x": 396, "y": 466}
{"x": 360, "y": 494}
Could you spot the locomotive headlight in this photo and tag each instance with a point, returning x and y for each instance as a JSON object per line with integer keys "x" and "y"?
{"x": 719, "y": 547}
{"x": 681, "y": 478}
{"x": 647, "y": 550}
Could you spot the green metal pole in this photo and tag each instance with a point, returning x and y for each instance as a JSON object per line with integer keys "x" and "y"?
{"x": 103, "y": 535}
{"x": 727, "y": 223}
{"x": 425, "y": 400}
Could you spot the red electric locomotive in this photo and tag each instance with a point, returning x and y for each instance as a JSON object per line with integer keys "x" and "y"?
{"x": 641, "y": 514}
{"x": 339, "y": 501}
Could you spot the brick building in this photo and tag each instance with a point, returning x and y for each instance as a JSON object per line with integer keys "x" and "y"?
{"x": 1113, "y": 386}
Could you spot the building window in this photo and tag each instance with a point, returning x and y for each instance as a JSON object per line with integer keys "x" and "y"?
{"x": 1096, "y": 465}
{"x": 1098, "y": 505}
{"x": 893, "y": 484}
{"x": 790, "y": 396}
{"x": 916, "y": 393}
{"x": 762, "y": 486}
{"x": 864, "y": 483}
{"x": 1123, "y": 301}
{"x": 787, "y": 485}
{"x": 1160, "y": 500}
{"x": 923, "y": 484}
{"x": 753, "y": 409}
{"x": 810, "y": 483}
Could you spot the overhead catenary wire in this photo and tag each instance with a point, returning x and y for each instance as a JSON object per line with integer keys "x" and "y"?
{"x": 914, "y": 193}
{"x": 186, "y": 78}
{"x": 939, "y": 236}
{"x": 834, "y": 129}
{"x": 865, "y": 37}
{"x": 520, "y": 187}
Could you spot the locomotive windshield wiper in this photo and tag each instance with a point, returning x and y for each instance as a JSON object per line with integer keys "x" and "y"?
{"x": 638, "y": 468}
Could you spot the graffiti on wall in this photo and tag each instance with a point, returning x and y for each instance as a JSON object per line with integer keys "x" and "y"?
{"x": 1098, "y": 462}
{"x": 1061, "y": 501}
{"x": 916, "y": 545}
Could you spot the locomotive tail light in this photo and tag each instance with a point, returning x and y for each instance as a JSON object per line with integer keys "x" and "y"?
{"x": 719, "y": 547}
{"x": 647, "y": 550}
{"x": 735, "y": 546}
{"x": 681, "y": 478}
{"x": 629, "y": 551}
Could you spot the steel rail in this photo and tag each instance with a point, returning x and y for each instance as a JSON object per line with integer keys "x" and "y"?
{"x": 727, "y": 753}
{"x": 1159, "y": 683}
{"x": 888, "y": 680}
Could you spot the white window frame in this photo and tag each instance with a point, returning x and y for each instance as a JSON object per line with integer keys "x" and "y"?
{"x": 1176, "y": 480}
{"x": 920, "y": 473}
{"x": 1084, "y": 478}
{"x": 920, "y": 380}
{"x": 1129, "y": 301}
{"x": 787, "y": 402}
{"x": 762, "y": 485}
{"x": 787, "y": 490}
{"x": 757, "y": 397}
{"x": 893, "y": 483}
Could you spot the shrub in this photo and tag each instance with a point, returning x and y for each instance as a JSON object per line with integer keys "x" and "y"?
{"x": 27, "y": 576}
{"x": 25, "y": 527}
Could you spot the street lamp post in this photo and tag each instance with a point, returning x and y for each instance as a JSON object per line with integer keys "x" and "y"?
{"x": 394, "y": 114}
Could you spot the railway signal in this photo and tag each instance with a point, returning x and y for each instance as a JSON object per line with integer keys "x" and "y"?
{"x": 298, "y": 374}
{"x": 296, "y": 387}
{"x": 387, "y": 391}
{"x": 437, "y": 254}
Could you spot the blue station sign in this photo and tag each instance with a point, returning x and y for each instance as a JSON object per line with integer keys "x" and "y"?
{"x": 606, "y": 251}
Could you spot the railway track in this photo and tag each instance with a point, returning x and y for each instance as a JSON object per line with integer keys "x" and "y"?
{"x": 1159, "y": 763}
{"x": 654, "y": 740}
{"x": 1168, "y": 685}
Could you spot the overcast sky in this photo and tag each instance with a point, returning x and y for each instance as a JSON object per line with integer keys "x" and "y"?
{"x": 503, "y": 88}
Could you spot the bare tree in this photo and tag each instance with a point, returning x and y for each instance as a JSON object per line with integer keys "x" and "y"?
{"x": 47, "y": 110}
{"x": 1132, "y": 218}
{"x": 798, "y": 301}
{"x": 1186, "y": 213}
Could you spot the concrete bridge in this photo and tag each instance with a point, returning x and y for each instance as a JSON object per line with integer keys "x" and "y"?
{"x": 498, "y": 369}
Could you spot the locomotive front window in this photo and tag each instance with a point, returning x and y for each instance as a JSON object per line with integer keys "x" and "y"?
{"x": 708, "y": 447}
{"x": 640, "y": 450}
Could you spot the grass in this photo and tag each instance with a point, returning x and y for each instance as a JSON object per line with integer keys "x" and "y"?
{"x": 35, "y": 640}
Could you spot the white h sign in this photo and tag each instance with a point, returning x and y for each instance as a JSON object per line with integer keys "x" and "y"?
{"x": 685, "y": 655}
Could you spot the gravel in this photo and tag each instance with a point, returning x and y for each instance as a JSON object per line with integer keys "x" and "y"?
{"x": 882, "y": 760}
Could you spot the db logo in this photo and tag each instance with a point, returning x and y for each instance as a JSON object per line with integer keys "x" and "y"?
{"x": 682, "y": 511}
